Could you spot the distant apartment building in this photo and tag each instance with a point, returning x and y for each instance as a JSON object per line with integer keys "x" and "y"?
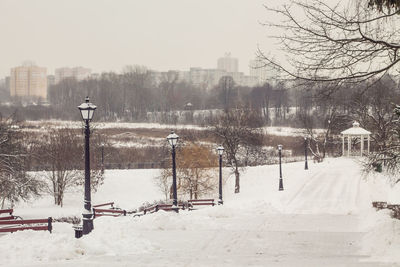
{"x": 206, "y": 78}
{"x": 170, "y": 76}
{"x": 51, "y": 80}
{"x": 7, "y": 82}
{"x": 78, "y": 73}
{"x": 228, "y": 63}
{"x": 28, "y": 82}
{"x": 209, "y": 78}
{"x": 258, "y": 69}
{"x": 249, "y": 81}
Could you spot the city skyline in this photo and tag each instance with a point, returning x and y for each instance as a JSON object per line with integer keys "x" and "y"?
{"x": 245, "y": 68}
{"x": 105, "y": 36}
{"x": 31, "y": 81}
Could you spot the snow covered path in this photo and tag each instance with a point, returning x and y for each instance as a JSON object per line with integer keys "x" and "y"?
{"x": 264, "y": 240}
{"x": 335, "y": 189}
{"x": 320, "y": 219}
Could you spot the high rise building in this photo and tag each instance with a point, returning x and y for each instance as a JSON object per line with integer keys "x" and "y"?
{"x": 28, "y": 81}
{"x": 51, "y": 80}
{"x": 228, "y": 63}
{"x": 7, "y": 82}
{"x": 78, "y": 73}
{"x": 258, "y": 69}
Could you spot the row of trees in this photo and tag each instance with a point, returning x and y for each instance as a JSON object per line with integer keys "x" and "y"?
{"x": 134, "y": 94}
{"x": 59, "y": 149}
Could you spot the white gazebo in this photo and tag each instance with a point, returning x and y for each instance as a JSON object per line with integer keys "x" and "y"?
{"x": 355, "y": 131}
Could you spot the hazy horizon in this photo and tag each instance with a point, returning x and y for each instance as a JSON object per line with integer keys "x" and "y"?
{"x": 108, "y": 35}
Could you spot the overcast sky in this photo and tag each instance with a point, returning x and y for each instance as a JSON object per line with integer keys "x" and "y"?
{"x": 106, "y": 35}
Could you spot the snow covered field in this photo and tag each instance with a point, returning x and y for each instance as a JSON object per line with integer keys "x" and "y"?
{"x": 273, "y": 130}
{"x": 322, "y": 218}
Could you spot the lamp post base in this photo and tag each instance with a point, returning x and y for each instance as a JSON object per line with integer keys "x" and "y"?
{"x": 220, "y": 202}
{"x": 87, "y": 224}
{"x": 280, "y": 185}
{"x": 175, "y": 208}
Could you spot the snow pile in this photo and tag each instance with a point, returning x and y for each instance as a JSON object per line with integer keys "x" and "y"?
{"x": 382, "y": 238}
{"x": 110, "y": 238}
{"x": 127, "y": 188}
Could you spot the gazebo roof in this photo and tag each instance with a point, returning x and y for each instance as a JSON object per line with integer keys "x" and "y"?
{"x": 356, "y": 130}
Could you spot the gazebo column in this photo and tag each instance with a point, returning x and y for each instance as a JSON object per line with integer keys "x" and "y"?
{"x": 368, "y": 143}
{"x": 348, "y": 145}
{"x": 343, "y": 146}
{"x": 362, "y": 144}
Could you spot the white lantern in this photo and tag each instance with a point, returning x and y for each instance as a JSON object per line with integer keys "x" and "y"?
{"x": 87, "y": 110}
{"x": 172, "y": 138}
{"x": 220, "y": 150}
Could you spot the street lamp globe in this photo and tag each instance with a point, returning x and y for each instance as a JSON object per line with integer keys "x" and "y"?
{"x": 87, "y": 110}
{"x": 280, "y": 147}
{"x": 172, "y": 138}
{"x": 220, "y": 150}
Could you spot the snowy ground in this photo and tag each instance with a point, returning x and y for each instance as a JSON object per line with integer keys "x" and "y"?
{"x": 322, "y": 218}
{"x": 44, "y": 124}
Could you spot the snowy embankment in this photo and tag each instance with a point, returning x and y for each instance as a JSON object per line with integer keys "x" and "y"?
{"x": 110, "y": 125}
{"x": 323, "y": 217}
{"x": 272, "y": 130}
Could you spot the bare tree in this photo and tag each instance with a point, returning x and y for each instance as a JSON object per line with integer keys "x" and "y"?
{"x": 329, "y": 118}
{"x": 389, "y": 155}
{"x": 260, "y": 99}
{"x": 381, "y": 5}
{"x": 236, "y": 129}
{"x": 137, "y": 84}
{"x": 64, "y": 152}
{"x": 373, "y": 109}
{"x": 196, "y": 170}
{"x": 195, "y": 174}
{"x": 344, "y": 43}
{"x": 227, "y": 92}
{"x": 15, "y": 182}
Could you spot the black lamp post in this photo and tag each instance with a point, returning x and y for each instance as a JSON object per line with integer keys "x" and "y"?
{"x": 87, "y": 109}
{"x": 280, "y": 168}
{"x": 305, "y": 153}
{"x": 173, "y": 139}
{"x": 220, "y": 150}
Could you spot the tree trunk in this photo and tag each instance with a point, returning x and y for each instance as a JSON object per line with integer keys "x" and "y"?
{"x": 195, "y": 191}
{"x": 171, "y": 193}
{"x": 60, "y": 199}
{"x": 237, "y": 180}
